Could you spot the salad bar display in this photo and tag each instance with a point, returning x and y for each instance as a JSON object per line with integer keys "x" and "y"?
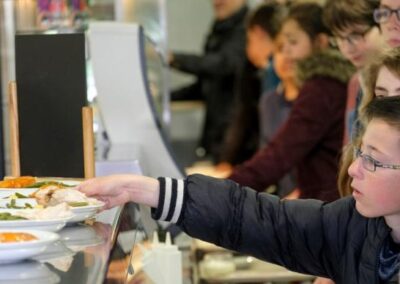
{"x": 34, "y": 207}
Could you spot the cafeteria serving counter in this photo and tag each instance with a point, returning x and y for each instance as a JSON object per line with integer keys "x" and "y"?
{"x": 82, "y": 255}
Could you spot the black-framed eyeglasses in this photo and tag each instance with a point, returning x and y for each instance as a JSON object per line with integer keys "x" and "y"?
{"x": 383, "y": 14}
{"x": 370, "y": 164}
{"x": 353, "y": 39}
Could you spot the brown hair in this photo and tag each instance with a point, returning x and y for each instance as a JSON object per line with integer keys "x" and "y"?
{"x": 309, "y": 17}
{"x": 341, "y": 14}
{"x": 269, "y": 17}
{"x": 386, "y": 109}
{"x": 389, "y": 59}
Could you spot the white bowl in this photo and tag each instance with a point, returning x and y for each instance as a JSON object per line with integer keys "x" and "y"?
{"x": 52, "y": 225}
{"x": 17, "y": 251}
{"x": 82, "y": 213}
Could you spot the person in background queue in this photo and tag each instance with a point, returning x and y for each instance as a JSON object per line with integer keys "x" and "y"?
{"x": 215, "y": 70}
{"x": 256, "y": 76}
{"x": 310, "y": 140}
{"x": 387, "y": 15}
{"x": 359, "y": 39}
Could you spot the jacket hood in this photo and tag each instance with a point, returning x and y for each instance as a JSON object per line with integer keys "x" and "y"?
{"x": 327, "y": 63}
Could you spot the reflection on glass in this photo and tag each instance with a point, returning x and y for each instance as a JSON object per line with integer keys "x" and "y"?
{"x": 80, "y": 236}
{"x": 27, "y": 272}
{"x": 155, "y": 76}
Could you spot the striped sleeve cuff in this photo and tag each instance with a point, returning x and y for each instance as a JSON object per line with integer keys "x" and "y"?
{"x": 170, "y": 202}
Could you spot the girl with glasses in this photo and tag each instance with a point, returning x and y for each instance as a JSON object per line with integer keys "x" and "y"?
{"x": 352, "y": 240}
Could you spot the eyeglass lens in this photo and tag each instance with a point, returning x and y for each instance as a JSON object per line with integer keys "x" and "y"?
{"x": 382, "y": 15}
{"x": 366, "y": 161}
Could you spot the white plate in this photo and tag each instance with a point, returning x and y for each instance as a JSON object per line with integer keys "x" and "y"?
{"x": 25, "y": 272}
{"x": 16, "y": 251}
{"x": 20, "y": 202}
{"x": 52, "y": 225}
{"x": 82, "y": 213}
{"x": 6, "y": 192}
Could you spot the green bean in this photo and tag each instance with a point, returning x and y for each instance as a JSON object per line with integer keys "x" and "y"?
{"x": 19, "y": 195}
{"x": 78, "y": 204}
{"x": 43, "y": 183}
{"x": 5, "y": 216}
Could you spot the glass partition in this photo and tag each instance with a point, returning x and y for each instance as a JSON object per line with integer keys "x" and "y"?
{"x": 67, "y": 16}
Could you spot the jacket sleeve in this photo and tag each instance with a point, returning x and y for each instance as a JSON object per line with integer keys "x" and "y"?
{"x": 309, "y": 121}
{"x": 301, "y": 235}
{"x": 219, "y": 63}
{"x": 190, "y": 92}
{"x": 242, "y": 136}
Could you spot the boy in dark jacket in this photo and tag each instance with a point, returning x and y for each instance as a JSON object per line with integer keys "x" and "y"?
{"x": 352, "y": 240}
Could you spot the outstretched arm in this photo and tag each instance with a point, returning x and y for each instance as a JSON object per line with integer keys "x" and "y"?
{"x": 301, "y": 235}
{"x": 120, "y": 189}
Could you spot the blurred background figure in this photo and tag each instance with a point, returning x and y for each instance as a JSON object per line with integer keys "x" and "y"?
{"x": 262, "y": 30}
{"x": 256, "y": 75}
{"x": 224, "y": 51}
{"x": 274, "y": 109}
{"x": 387, "y": 15}
{"x": 310, "y": 140}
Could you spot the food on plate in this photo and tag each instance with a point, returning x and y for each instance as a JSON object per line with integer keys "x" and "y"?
{"x": 18, "y": 203}
{"x": 6, "y": 216}
{"x": 48, "y": 183}
{"x": 51, "y": 196}
{"x": 31, "y": 182}
{"x": 12, "y": 237}
{"x": 13, "y": 205}
{"x": 18, "y": 195}
{"x": 59, "y": 211}
{"x": 19, "y": 182}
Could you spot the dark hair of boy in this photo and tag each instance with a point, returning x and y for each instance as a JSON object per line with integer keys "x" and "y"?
{"x": 302, "y": 13}
{"x": 339, "y": 15}
{"x": 386, "y": 109}
{"x": 269, "y": 17}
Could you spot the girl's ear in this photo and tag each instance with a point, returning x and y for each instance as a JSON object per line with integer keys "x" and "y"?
{"x": 321, "y": 41}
